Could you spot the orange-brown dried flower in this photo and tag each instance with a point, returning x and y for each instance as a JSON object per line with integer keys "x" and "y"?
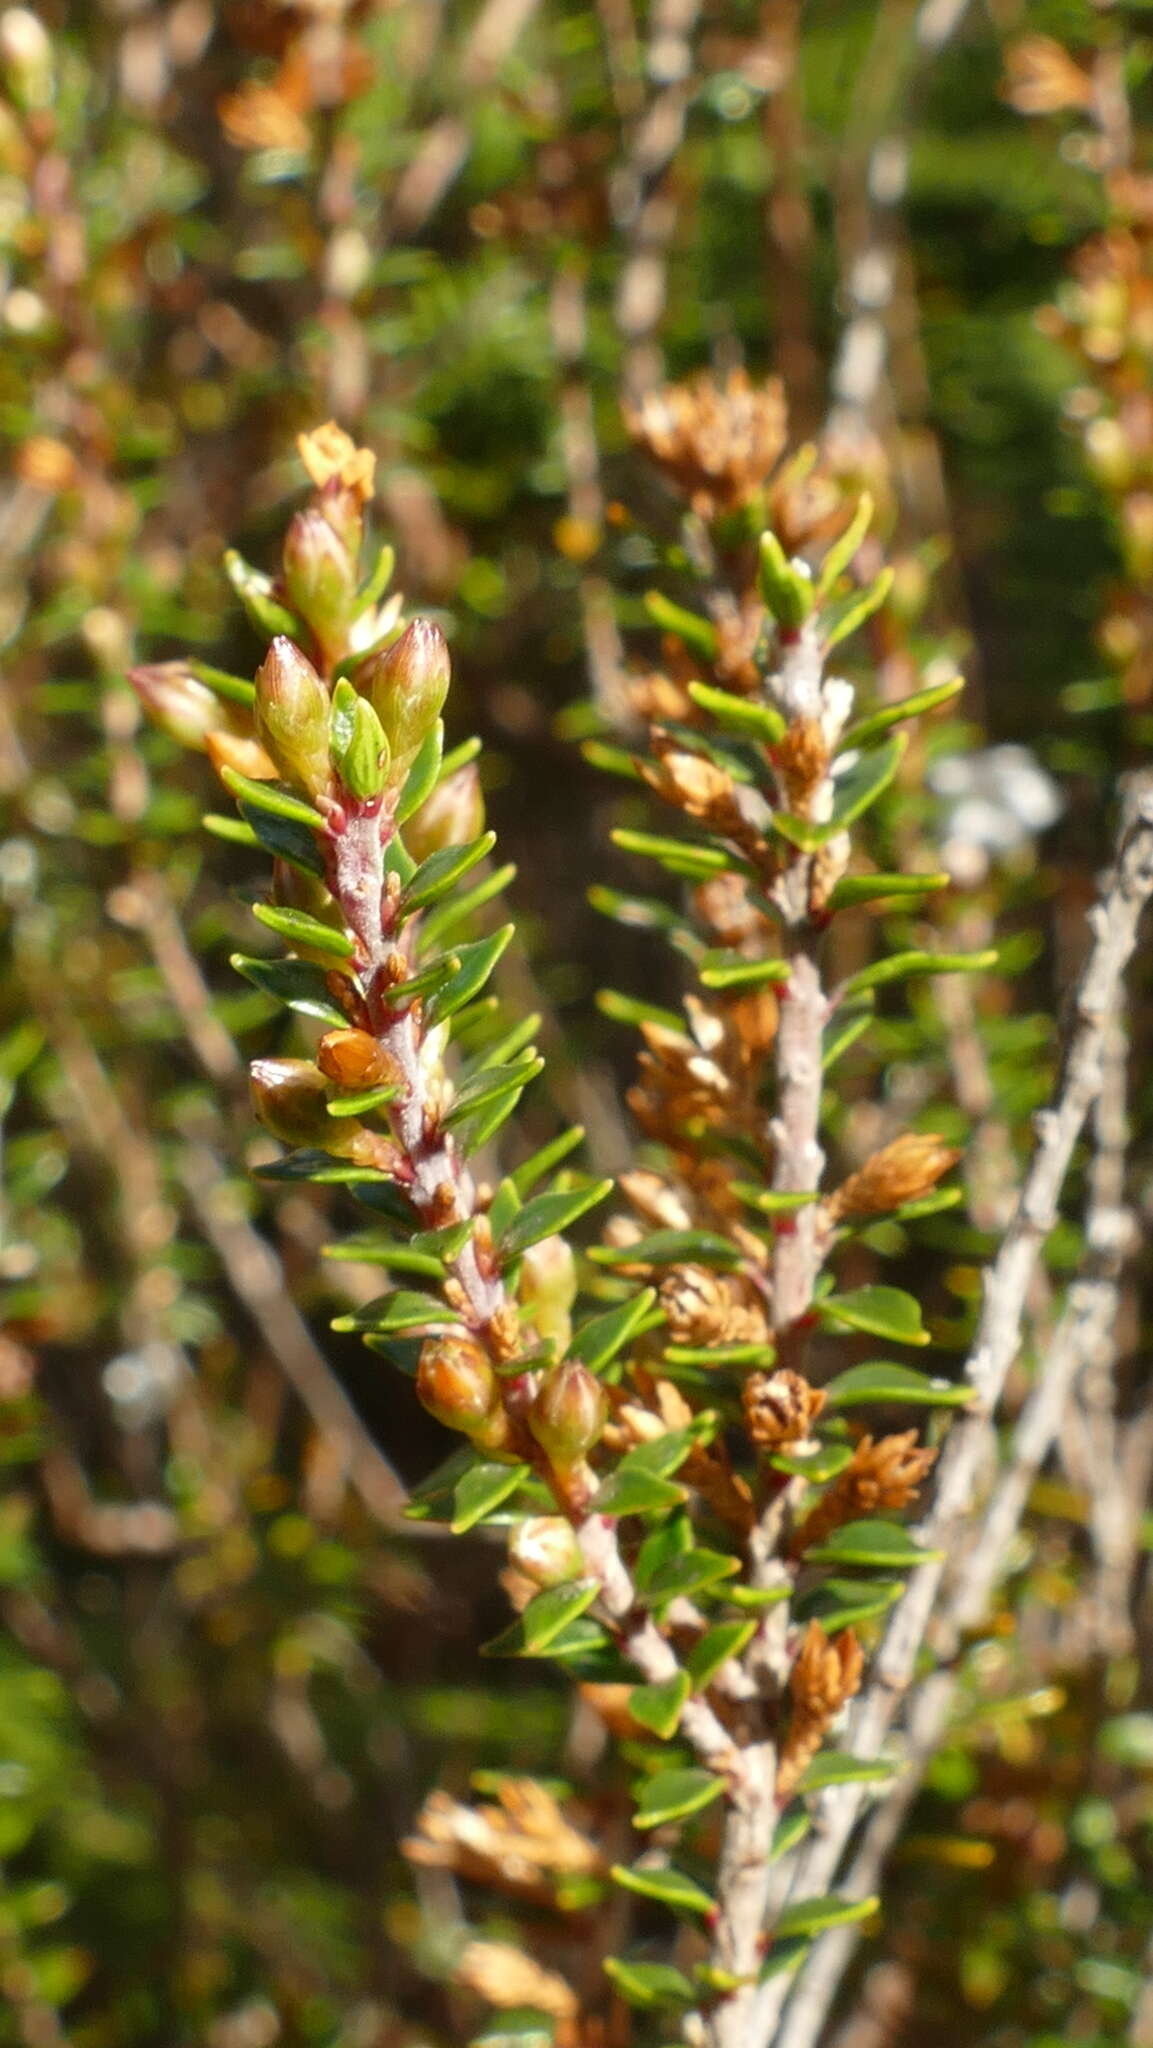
{"x": 716, "y": 442}
{"x": 507, "y": 1977}
{"x": 1042, "y": 78}
{"x": 523, "y": 1844}
{"x": 882, "y": 1477}
{"x": 703, "y": 1307}
{"x": 329, "y": 454}
{"x": 779, "y": 1408}
{"x": 825, "y": 1675}
{"x": 801, "y": 759}
{"x": 898, "y": 1173}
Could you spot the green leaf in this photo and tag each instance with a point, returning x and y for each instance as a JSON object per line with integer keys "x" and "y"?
{"x": 775, "y": 1201}
{"x": 649, "y": 1984}
{"x": 670, "y": 1248}
{"x": 674, "y": 1795}
{"x": 717, "y": 1356}
{"x": 899, "y": 966}
{"x": 684, "y": 1577}
{"x": 424, "y": 981}
{"x": 638, "y": 913}
{"x": 235, "y": 830}
{"x": 761, "y": 722}
{"x": 878, "y": 1380}
{"x": 296, "y": 928}
{"x": 793, "y": 1826}
{"x": 298, "y": 983}
{"x": 851, "y": 1027}
{"x": 254, "y": 589}
{"x": 881, "y": 1311}
{"x": 723, "y": 969}
{"x": 406, "y": 1309}
{"x": 598, "y": 1341}
{"x": 876, "y": 722}
{"x": 434, "y": 1499}
{"x": 637, "y": 1493}
{"x": 846, "y": 1603}
{"x": 755, "y": 1597}
{"x": 667, "y": 1884}
{"x": 490, "y": 1084}
{"x": 860, "y": 608}
{"x": 864, "y": 782}
{"x": 270, "y": 797}
{"x": 726, "y": 1639}
{"x": 547, "y": 1215}
{"x": 697, "y": 633}
{"x": 611, "y": 760}
{"x": 364, "y": 1104}
{"x": 582, "y": 1639}
{"x": 286, "y": 838}
{"x": 680, "y": 856}
{"x": 371, "y": 1250}
{"x": 544, "y": 1619}
{"x": 539, "y": 1163}
{"x": 424, "y": 774}
{"x": 233, "y": 689}
{"x": 884, "y": 1544}
{"x": 786, "y": 586}
{"x": 817, "y": 1466}
{"x": 482, "y": 1490}
{"x": 671, "y": 1538}
{"x": 477, "y": 961}
{"x": 665, "y": 1454}
{"x": 813, "y": 1916}
{"x": 659, "y": 1707}
{"x": 879, "y": 888}
{"x": 839, "y": 555}
{"x": 438, "y": 873}
{"x": 625, "y": 1009}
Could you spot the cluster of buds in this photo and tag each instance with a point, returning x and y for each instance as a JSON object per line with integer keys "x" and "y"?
{"x": 824, "y": 1677}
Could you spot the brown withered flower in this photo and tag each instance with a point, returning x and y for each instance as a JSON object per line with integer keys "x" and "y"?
{"x": 716, "y": 441}
{"x": 1042, "y": 78}
{"x": 507, "y": 1977}
{"x": 899, "y": 1173}
{"x": 703, "y": 1307}
{"x": 521, "y": 1845}
{"x": 827, "y": 1672}
{"x": 329, "y": 454}
{"x": 801, "y": 759}
{"x": 882, "y": 1477}
{"x": 779, "y": 1408}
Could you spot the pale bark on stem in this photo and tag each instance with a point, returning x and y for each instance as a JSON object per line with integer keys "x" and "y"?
{"x": 1114, "y": 924}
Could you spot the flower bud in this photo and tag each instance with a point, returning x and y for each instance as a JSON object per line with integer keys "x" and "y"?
{"x": 451, "y": 816}
{"x": 456, "y": 1383}
{"x": 901, "y": 1172}
{"x": 290, "y": 1097}
{"x": 292, "y": 716}
{"x": 546, "y": 1289}
{"x": 545, "y": 1550}
{"x": 244, "y": 756}
{"x": 407, "y": 686}
{"x": 569, "y": 1413}
{"x": 320, "y": 578}
{"x": 182, "y": 707}
{"x": 355, "y": 1060}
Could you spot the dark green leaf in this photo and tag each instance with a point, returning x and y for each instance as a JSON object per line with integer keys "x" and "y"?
{"x": 544, "y": 1619}
{"x": 424, "y": 774}
{"x": 456, "y": 909}
{"x": 881, "y": 1311}
{"x": 598, "y": 1341}
{"x": 271, "y": 797}
{"x": 739, "y": 714}
{"x": 438, "y": 873}
{"x": 680, "y": 856}
{"x": 846, "y": 1603}
{"x": 649, "y": 1984}
{"x": 793, "y": 1826}
{"x": 684, "y": 1577}
{"x": 403, "y": 1310}
{"x": 726, "y": 1639}
{"x": 880, "y": 888}
{"x": 287, "y": 838}
{"x": 480, "y": 1491}
{"x": 667, "y": 1884}
{"x": 871, "y": 1542}
{"x": 674, "y": 1795}
{"x": 812, "y": 1916}
{"x": 298, "y": 983}
{"x": 729, "y": 970}
{"x": 539, "y": 1163}
{"x": 876, "y": 722}
{"x": 491, "y": 1084}
{"x": 637, "y": 1493}
{"x": 899, "y": 966}
{"x": 880, "y": 1381}
{"x": 296, "y": 928}
{"x": 546, "y": 1215}
{"x": 477, "y": 961}
{"x": 659, "y": 1707}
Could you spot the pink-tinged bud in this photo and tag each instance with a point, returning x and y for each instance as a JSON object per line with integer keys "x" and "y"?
{"x": 180, "y": 705}
{"x": 547, "y": 1289}
{"x": 290, "y": 1097}
{"x": 451, "y": 816}
{"x": 292, "y": 716}
{"x": 545, "y": 1550}
{"x": 455, "y": 1381}
{"x": 407, "y": 686}
{"x": 569, "y": 1413}
{"x": 320, "y": 579}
